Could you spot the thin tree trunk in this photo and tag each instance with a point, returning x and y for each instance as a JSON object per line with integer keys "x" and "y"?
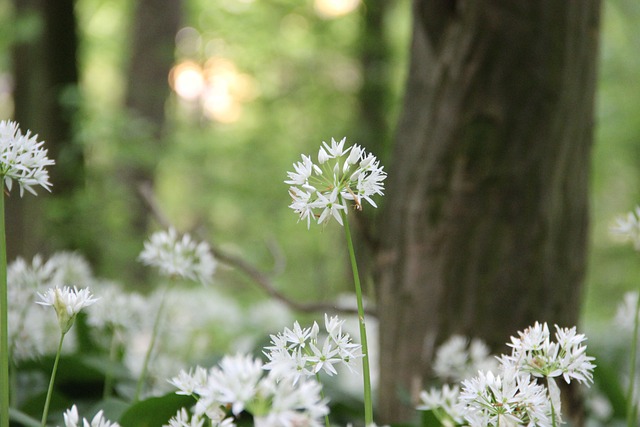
{"x": 486, "y": 214}
{"x": 45, "y": 66}
{"x": 155, "y": 25}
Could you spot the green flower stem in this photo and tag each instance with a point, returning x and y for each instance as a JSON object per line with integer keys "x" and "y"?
{"x": 108, "y": 378}
{"x": 4, "y": 319}
{"x": 631, "y": 406}
{"x": 326, "y": 417}
{"x": 154, "y": 337}
{"x": 45, "y": 412}
{"x": 368, "y": 405}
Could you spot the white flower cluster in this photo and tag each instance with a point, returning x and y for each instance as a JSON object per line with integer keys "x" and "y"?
{"x": 72, "y": 419}
{"x": 459, "y": 358}
{"x": 512, "y": 396}
{"x": 510, "y": 399}
{"x": 239, "y": 383}
{"x": 22, "y": 159}
{"x": 535, "y": 353}
{"x": 297, "y": 352}
{"x": 31, "y": 331}
{"x": 628, "y": 227}
{"x": 179, "y": 257}
{"x": 321, "y": 190}
{"x": 67, "y": 303}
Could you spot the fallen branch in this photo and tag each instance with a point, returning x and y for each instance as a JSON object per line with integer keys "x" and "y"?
{"x": 241, "y": 265}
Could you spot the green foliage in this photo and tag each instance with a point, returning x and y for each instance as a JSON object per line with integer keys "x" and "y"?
{"x": 154, "y": 411}
{"x": 614, "y": 268}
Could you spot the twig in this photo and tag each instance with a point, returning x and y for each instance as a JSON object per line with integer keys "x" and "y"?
{"x": 249, "y": 270}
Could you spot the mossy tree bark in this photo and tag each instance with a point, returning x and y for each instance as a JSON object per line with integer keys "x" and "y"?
{"x": 485, "y": 221}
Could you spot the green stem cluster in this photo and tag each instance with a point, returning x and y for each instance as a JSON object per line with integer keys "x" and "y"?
{"x": 368, "y": 404}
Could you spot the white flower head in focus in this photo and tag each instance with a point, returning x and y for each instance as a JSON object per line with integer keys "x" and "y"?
{"x": 534, "y": 352}
{"x": 67, "y": 303}
{"x": 321, "y": 191}
{"x": 22, "y": 159}
{"x": 510, "y": 399}
{"x": 179, "y": 257}
{"x": 299, "y": 352}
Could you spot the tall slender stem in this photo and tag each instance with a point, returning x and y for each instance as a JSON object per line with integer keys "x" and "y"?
{"x": 108, "y": 377}
{"x": 152, "y": 343}
{"x": 45, "y": 411}
{"x": 366, "y": 375}
{"x": 326, "y": 417}
{"x": 631, "y": 405}
{"x": 4, "y": 322}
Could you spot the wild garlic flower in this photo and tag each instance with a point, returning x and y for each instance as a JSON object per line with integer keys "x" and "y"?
{"x": 72, "y": 419}
{"x": 514, "y": 396}
{"x": 67, "y": 303}
{"x": 459, "y": 358}
{"x": 628, "y": 227}
{"x": 22, "y": 159}
{"x": 30, "y": 330}
{"x": 239, "y": 384}
{"x": 321, "y": 191}
{"x": 508, "y": 400}
{"x": 299, "y": 352}
{"x": 179, "y": 257}
{"x": 535, "y": 353}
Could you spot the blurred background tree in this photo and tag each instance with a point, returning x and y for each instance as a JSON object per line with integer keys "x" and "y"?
{"x": 485, "y": 226}
{"x": 214, "y": 118}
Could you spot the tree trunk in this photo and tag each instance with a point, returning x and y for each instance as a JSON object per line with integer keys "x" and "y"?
{"x": 484, "y": 229}
{"x": 44, "y": 67}
{"x": 155, "y": 25}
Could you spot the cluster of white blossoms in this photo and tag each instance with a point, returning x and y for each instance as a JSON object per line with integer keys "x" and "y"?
{"x": 179, "y": 257}
{"x": 67, "y": 303}
{"x": 459, "y": 358}
{"x": 627, "y": 227}
{"x": 534, "y": 352}
{"x": 320, "y": 191}
{"x": 22, "y": 159}
{"x": 72, "y": 419}
{"x": 298, "y": 352}
{"x": 239, "y": 384}
{"x": 509, "y": 399}
{"x": 511, "y": 395}
{"x": 31, "y": 332}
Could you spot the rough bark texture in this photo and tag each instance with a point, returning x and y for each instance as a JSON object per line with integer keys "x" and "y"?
{"x": 486, "y": 213}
